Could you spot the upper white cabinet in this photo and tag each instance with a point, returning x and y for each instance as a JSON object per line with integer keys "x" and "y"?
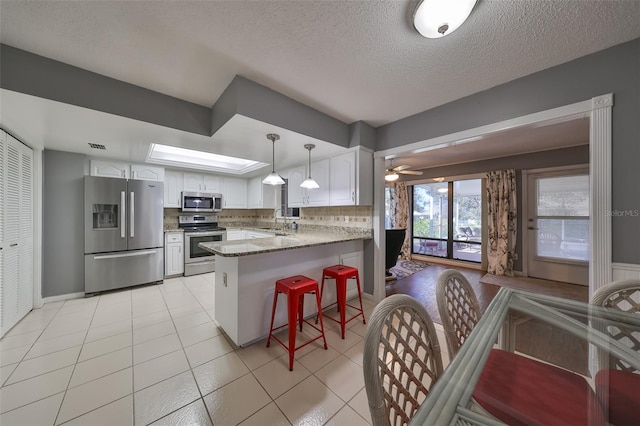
{"x": 261, "y": 196}
{"x": 198, "y": 182}
{"x": 173, "y": 189}
{"x": 320, "y": 173}
{"x": 146, "y": 172}
{"x": 118, "y": 169}
{"x": 212, "y": 183}
{"x": 114, "y": 169}
{"x": 296, "y": 195}
{"x": 351, "y": 179}
{"x": 343, "y": 180}
{"x": 234, "y": 193}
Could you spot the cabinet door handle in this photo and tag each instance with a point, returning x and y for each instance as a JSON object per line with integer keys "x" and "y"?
{"x": 123, "y": 200}
{"x": 353, "y": 196}
{"x": 13, "y": 245}
{"x": 132, "y": 213}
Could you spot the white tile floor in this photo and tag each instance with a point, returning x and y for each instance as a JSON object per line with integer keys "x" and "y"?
{"x": 153, "y": 355}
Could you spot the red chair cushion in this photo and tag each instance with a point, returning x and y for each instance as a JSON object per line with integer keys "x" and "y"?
{"x": 623, "y": 388}
{"x": 522, "y": 391}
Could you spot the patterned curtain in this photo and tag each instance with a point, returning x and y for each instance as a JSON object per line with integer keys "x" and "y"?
{"x": 502, "y": 213}
{"x": 400, "y": 214}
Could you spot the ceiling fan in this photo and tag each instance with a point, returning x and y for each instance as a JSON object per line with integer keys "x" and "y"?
{"x": 393, "y": 173}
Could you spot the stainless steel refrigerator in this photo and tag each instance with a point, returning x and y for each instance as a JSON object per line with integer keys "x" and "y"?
{"x": 123, "y": 233}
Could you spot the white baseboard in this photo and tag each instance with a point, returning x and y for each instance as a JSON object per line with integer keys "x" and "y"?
{"x": 625, "y": 271}
{"x": 67, "y": 296}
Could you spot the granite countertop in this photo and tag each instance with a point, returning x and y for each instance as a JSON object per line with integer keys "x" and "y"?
{"x": 290, "y": 241}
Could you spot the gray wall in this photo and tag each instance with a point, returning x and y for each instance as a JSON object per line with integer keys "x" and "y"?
{"x": 63, "y": 223}
{"x": 35, "y": 75}
{"x": 615, "y": 70}
{"x": 559, "y": 157}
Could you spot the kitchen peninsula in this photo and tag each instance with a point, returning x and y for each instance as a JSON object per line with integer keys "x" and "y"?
{"x": 246, "y": 272}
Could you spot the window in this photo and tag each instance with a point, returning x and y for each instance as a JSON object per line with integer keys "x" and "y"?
{"x": 285, "y": 210}
{"x": 562, "y": 216}
{"x": 447, "y": 219}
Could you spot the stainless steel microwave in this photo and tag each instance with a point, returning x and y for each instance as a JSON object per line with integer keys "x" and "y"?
{"x": 201, "y": 202}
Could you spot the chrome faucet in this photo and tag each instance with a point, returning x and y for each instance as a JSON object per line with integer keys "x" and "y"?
{"x": 284, "y": 216}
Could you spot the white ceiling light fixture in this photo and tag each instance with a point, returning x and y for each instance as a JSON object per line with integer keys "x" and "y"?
{"x": 200, "y": 160}
{"x": 309, "y": 182}
{"x": 437, "y": 18}
{"x": 273, "y": 178}
{"x": 390, "y": 177}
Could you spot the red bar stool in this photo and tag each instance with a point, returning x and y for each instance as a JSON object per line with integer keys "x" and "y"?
{"x": 341, "y": 273}
{"x": 295, "y": 288}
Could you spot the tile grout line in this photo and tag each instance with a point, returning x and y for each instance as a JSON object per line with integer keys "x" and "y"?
{"x": 55, "y": 420}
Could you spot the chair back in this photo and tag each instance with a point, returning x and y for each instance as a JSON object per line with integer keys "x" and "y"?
{"x": 393, "y": 246}
{"x": 625, "y": 296}
{"x": 458, "y": 307}
{"x": 402, "y": 359}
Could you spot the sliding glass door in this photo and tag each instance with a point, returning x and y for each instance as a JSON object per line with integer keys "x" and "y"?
{"x": 447, "y": 219}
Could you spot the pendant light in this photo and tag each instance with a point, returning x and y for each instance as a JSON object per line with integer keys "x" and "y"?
{"x": 273, "y": 178}
{"x": 309, "y": 182}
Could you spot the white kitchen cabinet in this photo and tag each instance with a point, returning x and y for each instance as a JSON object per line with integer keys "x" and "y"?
{"x": 173, "y": 189}
{"x": 351, "y": 179}
{"x": 113, "y": 169}
{"x": 234, "y": 193}
{"x": 146, "y": 172}
{"x": 343, "y": 180}
{"x": 236, "y": 234}
{"x": 295, "y": 193}
{"x": 259, "y": 234}
{"x": 261, "y": 196}
{"x": 118, "y": 169}
{"x": 211, "y": 183}
{"x": 198, "y": 182}
{"x": 192, "y": 182}
{"x": 320, "y": 173}
{"x": 173, "y": 253}
{"x": 16, "y": 231}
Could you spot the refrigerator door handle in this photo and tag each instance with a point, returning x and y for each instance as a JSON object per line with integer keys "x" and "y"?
{"x": 123, "y": 200}
{"x": 115, "y": 256}
{"x": 131, "y": 213}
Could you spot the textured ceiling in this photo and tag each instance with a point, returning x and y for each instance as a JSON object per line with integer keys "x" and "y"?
{"x": 353, "y": 60}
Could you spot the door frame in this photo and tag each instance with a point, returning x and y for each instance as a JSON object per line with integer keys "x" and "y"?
{"x": 598, "y": 109}
{"x": 526, "y": 174}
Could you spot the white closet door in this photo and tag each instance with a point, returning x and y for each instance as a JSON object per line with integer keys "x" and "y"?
{"x": 25, "y": 253}
{"x": 3, "y": 143}
{"x": 11, "y": 236}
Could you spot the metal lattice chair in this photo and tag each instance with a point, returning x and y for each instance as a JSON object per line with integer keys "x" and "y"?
{"x": 617, "y": 382}
{"x": 623, "y": 295}
{"x": 402, "y": 359}
{"x": 458, "y": 307}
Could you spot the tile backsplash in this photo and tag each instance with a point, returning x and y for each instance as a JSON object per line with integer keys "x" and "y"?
{"x": 346, "y": 217}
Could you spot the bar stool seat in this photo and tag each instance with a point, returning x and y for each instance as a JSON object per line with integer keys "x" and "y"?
{"x": 295, "y": 288}
{"x": 341, "y": 273}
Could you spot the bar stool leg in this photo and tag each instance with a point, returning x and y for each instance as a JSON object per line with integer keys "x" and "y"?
{"x": 301, "y": 309}
{"x": 360, "y": 296}
{"x": 293, "y": 302}
{"x": 273, "y": 314}
{"x": 318, "y": 301}
{"x": 341, "y": 289}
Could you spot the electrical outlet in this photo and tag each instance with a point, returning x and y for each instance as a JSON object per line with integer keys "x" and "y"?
{"x": 224, "y": 279}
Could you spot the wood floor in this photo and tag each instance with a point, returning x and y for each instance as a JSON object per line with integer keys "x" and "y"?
{"x": 533, "y": 337}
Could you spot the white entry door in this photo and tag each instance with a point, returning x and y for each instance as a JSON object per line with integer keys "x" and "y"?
{"x": 558, "y": 226}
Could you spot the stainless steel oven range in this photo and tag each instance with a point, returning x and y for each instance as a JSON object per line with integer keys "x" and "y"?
{"x": 199, "y": 229}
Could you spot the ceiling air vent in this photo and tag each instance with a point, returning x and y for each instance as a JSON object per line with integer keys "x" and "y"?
{"x": 97, "y": 146}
